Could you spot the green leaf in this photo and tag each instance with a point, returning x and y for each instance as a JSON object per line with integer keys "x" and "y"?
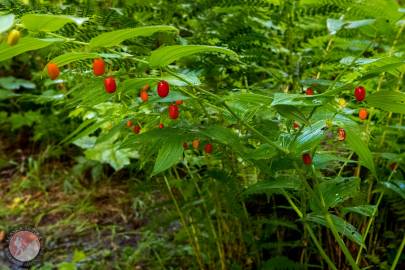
{"x": 341, "y": 225}
{"x": 310, "y": 137}
{"x": 5, "y": 94}
{"x": 67, "y": 58}
{"x": 398, "y": 186}
{"x": 6, "y": 21}
{"x": 360, "y": 148}
{"x": 365, "y": 210}
{"x": 24, "y": 45}
{"x": 388, "y": 100}
{"x": 78, "y": 256}
{"x": 274, "y": 185}
{"x": 114, "y": 38}
{"x": 49, "y": 23}
{"x": 332, "y": 192}
{"x": 12, "y": 83}
{"x": 110, "y": 153}
{"x": 167, "y": 55}
{"x": 168, "y": 155}
{"x": 292, "y": 113}
{"x": 295, "y": 100}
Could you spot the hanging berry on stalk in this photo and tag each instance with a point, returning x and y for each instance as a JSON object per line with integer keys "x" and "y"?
{"x": 360, "y": 93}
{"x": 208, "y": 148}
{"x": 129, "y": 123}
{"x": 307, "y": 159}
{"x": 13, "y": 37}
{"x": 196, "y": 143}
{"x": 98, "y": 67}
{"x": 144, "y": 96}
{"x": 161, "y": 125}
{"x": 363, "y": 114}
{"x": 173, "y": 111}
{"x": 136, "y": 129}
{"x": 110, "y": 85}
{"x": 309, "y": 92}
{"x": 341, "y": 134}
{"x": 163, "y": 89}
{"x": 179, "y": 102}
{"x": 53, "y": 71}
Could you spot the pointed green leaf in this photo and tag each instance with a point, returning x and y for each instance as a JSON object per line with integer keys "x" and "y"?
{"x": 67, "y": 58}
{"x": 49, "y": 23}
{"x": 24, "y": 45}
{"x": 388, "y": 100}
{"x": 398, "y": 186}
{"x": 360, "y": 148}
{"x": 167, "y": 55}
{"x": 114, "y": 38}
{"x": 341, "y": 225}
{"x": 169, "y": 155}
{"x": 332, "y": 192}
{"x": 274, "y": 185}
{"x": 365, "y": 210}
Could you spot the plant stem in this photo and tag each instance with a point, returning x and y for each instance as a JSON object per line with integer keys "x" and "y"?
{"x": 183, "y": 221}
{"x": 341, "y": 244}
{"x": 311, "y": 232}
{"x": 399, "y": 252}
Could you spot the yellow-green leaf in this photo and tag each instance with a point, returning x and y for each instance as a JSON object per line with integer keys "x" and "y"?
{"x": 114, "y": 38}
{"x": 167, "y": 55}
{"x": 49, "y": 23}
{"x": 25, "y": 45}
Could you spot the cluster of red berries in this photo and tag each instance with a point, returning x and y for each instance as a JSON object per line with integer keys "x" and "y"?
{"x": 360, "y": 95}
{"x": 196, "y": 145}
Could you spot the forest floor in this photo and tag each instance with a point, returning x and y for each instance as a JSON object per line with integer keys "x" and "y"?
{"x": 80, "y": 221}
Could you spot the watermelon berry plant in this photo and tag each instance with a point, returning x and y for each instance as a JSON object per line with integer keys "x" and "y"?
{"x": 250, "y": 174}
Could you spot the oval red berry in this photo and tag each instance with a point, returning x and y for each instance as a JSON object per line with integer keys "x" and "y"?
{"x": 163, "y": 89}
{"x": 53, "y": 71}
{"x": 363, "y": 114}
{"x": 179, "y": 102}
{"x": 136, "y": 129}
{"x": 98, "y": 67}
{"x": 110, "y": 85}
{"x": 360, "y": 93}
{"x": 307, "y": 159}
{"x": 161, "y": 125}
{"x": 129, "y": 123}
{"x": 144, "y": 96}
{"x": 208, "y": 148}
{"x": 309, "y": 92}
{"x": 173, "y": 111}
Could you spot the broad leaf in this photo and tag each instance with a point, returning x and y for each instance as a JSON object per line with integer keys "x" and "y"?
{"x": 342, "y": 226}
{"x": 388, "y": 100}
{"x": 332, "y": 192}
{"x": 49, "y": 23}
{"x": 398, "y": 186}
{"x": 168, "y": 155}
{"x": 167, "y": 55}
{"x": 67, "y": 58}
{"x": 114, "y": 38}
{"x": 365, "y": 210}
{"x": 276, "y": 185}
{"x": 24, "y": 45}
{"x": 360, "y": 148}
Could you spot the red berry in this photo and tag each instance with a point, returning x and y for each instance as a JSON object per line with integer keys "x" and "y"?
{"x": 307, "y": 159}
{"x": 309, "y": 92}
{"x": 185, "y": 145}
{"x": 144, "y": 96}
{"x": 179, "y": 102}
{"x": 110, "y": 85}
{"x": 296, "y": 125}
{"x": 173, "y": 111}
{"x": 208, "y": 148}
{"x": 129, "y": 123}
{"x": 163, "y": 89}
{"x": 363, "y": 114}
{"x": 53, "y": 71}
{"x": 98, "y": 67}
{"x": 161, "y": 125}
{"x": 360, "y": 93}
{"x": 136, "y": 129}
{"x": 393, "y": 166}
{"x": 341, "y": 134}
